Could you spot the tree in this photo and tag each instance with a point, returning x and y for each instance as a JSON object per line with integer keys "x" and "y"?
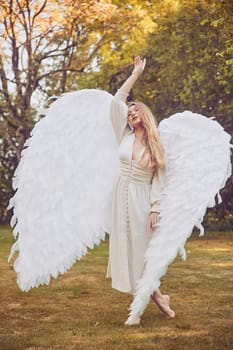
{"x": 185, "y": 70}
{"x": 38, "y": 41}
{"x": 48, "y": 47}
{"x": 220, "y": 16}
{"x": 52, "y": 46}
{"x": 126, "y": 35}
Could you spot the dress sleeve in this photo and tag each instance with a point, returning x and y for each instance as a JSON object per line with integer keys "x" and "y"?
{"x": 156, "y": 190}
{"x": 119, "y": 114}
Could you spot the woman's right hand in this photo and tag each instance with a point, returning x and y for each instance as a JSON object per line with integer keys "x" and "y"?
{"x": 139, "y": 65}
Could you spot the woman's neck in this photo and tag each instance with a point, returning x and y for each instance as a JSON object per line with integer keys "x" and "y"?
{"x": 139, "y": 132}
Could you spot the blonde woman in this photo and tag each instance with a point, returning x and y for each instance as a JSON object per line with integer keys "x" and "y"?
{"x": 51, "y": 219}
{"x": 136, "y": 196}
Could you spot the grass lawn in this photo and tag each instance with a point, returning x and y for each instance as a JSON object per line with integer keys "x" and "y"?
{"x": 79, "y": 310}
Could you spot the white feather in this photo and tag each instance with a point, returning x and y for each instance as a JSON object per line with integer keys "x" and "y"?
{"x": 64, "y": 186}
{"x": 198, "y": 153}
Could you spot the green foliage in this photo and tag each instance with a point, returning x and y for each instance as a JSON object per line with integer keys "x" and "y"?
{"x": 220, "y": 16}
{"x": 186, "y": 72}
{"x": 125, "y": 36}
{"x": 188, "y": 46}
{"x": 214, "y": 222}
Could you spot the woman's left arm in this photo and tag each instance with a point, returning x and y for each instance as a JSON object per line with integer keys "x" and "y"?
{"x": 155, "y": 197}
{"x": 139, "y": 66}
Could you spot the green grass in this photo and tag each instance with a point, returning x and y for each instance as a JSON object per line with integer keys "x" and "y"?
{"x": 79, "y": 310}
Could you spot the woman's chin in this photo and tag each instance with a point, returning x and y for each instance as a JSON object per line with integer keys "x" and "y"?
{"x": 136, "y": 124}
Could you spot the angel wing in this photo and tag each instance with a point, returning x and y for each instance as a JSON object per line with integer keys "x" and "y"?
{"x": 72, "y": 152}
{"x": 64, "y": 187}
{"x": 198, "y": 154}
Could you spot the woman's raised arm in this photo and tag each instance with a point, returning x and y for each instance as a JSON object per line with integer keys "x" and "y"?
{"x": 139, "y": 66}
{"x": 119, "y": 109}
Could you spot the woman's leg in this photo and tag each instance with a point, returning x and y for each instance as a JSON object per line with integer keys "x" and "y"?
{"x": 162, "y": 301}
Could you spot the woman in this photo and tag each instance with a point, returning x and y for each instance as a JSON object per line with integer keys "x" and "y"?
{"x": 64, "y": 174}
{"x": 137, "y": 192}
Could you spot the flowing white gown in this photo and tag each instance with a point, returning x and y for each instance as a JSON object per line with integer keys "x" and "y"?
{"x": 68, "y": 169}
{"x": 136, "y": 193}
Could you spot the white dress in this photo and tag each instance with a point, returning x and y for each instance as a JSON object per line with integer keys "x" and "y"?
{"x": 136, "y": 193}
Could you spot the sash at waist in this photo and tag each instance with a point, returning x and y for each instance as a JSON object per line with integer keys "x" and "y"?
{"x": 133, "y": 172}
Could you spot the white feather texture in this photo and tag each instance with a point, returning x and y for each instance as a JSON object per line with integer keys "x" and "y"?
{"x": 64, "y": 185}
{"x": 198, "y": 165}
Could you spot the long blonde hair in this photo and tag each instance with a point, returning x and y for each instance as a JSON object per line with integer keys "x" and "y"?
{"x": 153, "y": 156}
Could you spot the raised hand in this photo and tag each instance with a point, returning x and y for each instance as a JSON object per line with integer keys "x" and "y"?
{"x": 139, "y": 65}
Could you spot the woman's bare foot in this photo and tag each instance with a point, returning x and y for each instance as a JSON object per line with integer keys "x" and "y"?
{"x": 162, "y": 301}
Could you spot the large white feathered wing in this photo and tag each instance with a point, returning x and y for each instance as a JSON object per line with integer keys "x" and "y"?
{"x": 198, "y": 159}
{"x": 64, "y": 186}
{"x": 65, "y": 178}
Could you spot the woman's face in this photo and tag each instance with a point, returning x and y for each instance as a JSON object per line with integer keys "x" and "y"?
{"x": 134, "y": 116}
